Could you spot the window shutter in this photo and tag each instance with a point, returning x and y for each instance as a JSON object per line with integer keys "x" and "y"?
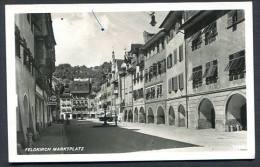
{"x": 169, "y": 85}
{"x": 180, "y": 52}
{"x": 175, "y": 56}
{"x": 181, "y": 83}
{"x": 230, "y": 16}
{"x": 164, "y": 65}
{"x": 170, "y": 60}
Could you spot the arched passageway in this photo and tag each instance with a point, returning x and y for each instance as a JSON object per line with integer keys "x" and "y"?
{"x": 236, "y": 113}
{"x": 130, "y": 116}
{"x": 181, "y": 116}
{"x": 160, "y": 116}
{"x": 206, "y": 115}
{"x": 150, "y": 116}
{"x": 171, "y": 116}
{"x": 142, "y": 115}
{"x": 136, "y": 115}
{"x": 125, "y": 115}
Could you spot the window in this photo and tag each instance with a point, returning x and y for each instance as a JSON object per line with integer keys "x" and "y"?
{"x": 175, "y": 57}
{"x": 147, "y": 93}
{"x": 170, "y": 85}
{"x": 154, "y": 69}
{"x": 146, "y": 75}
{"x": 175, "y": 84}
{"x": 181, "y": 82}
{"x": 180, "y": 52}
{"x": 210, "y": 33}
{"x": 26, "y": 54}
{"x": 163, "y": 65}
{"x": 234, "y": 17}
{"x": 197, "y": 77}
{"x": 236, "y": 66}
{"x": 211, "y": 72}
{"x": 138, "y": 77}
{"x": 163, "y": 46}
{"x": 152, "y": 92}
{"x": 196, "y": 41}
{"x": 17, "y": 42}
{"x": 159, "y": 68}
{"x": 141, "y": 75}
{"x": 169, "y": 61}
{"x": 158, "y": 48}
{"x": 159, "y": 91}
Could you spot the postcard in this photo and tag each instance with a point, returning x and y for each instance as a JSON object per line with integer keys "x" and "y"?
{"x": 130, "y": 82}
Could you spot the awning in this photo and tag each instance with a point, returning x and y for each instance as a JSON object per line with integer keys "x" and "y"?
{"x": 235, "y": 64}
{"x": 210, "y": 71}
{"x": 208, "y": 28}
{"x": 195, "y": 36}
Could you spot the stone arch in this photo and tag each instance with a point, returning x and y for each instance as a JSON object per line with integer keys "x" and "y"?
{"x": 160, "y": 115}
{"x": 236, "y": 112}
{"x": 181, "y": 116}
{"x": 171, "y": 116}
{"x": 142, "y": 115}
{"x": 125, "y": 115}
{"x": 136, "y": 114}
{"x": 206, "y": 113}
{"x": 150, "y": 116}
{"x": 130, "y": 116}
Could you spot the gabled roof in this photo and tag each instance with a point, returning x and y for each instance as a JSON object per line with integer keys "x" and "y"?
{"x": 154, "y": 39}
{"x": 80, "y": 87}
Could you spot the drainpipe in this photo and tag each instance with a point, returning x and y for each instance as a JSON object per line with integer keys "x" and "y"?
{"x": 186, "y": 81}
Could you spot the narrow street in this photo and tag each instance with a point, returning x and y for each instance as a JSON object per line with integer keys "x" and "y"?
{"x": 133, "y": 137}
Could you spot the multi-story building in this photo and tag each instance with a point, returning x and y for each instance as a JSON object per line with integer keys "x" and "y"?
{"x": 115, "y": 85}
{"x": 215, "y": 55}
{"x": 80, "y": 90}
{"x": 176, "y": 71}
{"x": 35, "y": 63}
{"x": 155, "y": 78}
{"x": 66, "y": 104}
{"x": 137, "y": 62}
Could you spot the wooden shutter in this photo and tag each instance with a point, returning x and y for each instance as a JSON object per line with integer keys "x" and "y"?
{"x": 175, "y": 56}
{"x": 181, "y": 83}
{"x": 170, "y": 85}
{"x": 230, "y": 17}
{"x": 180, "y": 52}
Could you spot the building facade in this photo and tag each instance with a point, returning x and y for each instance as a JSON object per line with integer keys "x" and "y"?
{"x": 137, "y": 62}
{"x": 155, "y": 78}
{"x": 176, "y": 109}
{"x": 35, "y": 63}
{"x": 215, "y": 53}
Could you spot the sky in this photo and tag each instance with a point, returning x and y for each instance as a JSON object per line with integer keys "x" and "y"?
{"x": 80, "y": 40}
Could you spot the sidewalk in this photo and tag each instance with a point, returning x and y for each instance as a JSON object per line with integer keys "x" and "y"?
{"x": 51, "y": 137}
{"x": 208, "y": 139}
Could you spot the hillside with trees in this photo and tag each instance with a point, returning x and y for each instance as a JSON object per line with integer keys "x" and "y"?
{"x": 96, "y": 73}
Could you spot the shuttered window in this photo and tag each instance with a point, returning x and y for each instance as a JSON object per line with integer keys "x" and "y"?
{"x": 196, "y": 77}
{"x": 180, "y": 52}
{"x": 175, "y": 56}
{"x": 169, "y": 61}
{"x": 181, "y": 82}
{"x": 175, "y": 84}
{"x": 234, "y": 17}
{"x": 169, "y": 85}
{"x": 236, "y": 65}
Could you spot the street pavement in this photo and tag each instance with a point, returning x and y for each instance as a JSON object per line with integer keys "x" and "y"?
{"x": 135, "y": 137}
{"x": 112, "y": 139}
